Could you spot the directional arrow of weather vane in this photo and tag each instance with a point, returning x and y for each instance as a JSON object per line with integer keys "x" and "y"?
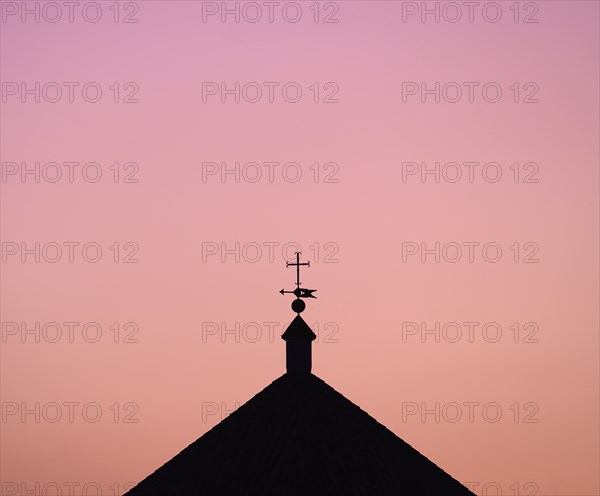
{"x": 299, "y": 292}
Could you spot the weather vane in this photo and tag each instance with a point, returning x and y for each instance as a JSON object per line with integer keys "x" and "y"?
{"x": 298, "y": 305}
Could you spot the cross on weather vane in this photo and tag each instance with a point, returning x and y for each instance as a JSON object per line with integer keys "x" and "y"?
{"x": 298, "y": 305}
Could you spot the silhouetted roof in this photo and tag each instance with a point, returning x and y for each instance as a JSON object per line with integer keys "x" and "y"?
{"x": 298, "y": 330}
{"x": 299, "y": 436}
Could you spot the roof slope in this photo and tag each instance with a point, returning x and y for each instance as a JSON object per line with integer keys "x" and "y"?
{"x": 299, "y": 436}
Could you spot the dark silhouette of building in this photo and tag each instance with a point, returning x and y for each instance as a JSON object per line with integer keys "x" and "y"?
{"x": 299, "y": 437}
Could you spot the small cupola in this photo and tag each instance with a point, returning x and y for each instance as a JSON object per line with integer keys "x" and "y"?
{"x": 298, "y": 336}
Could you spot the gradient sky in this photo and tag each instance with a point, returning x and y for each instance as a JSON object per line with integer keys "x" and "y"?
{"x": 178, "y": 363}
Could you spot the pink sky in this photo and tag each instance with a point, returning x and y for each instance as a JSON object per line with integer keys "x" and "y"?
{"x": 172, "y": 373}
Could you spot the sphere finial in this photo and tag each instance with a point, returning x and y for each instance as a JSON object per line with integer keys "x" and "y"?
{"x": 298, "y": 305}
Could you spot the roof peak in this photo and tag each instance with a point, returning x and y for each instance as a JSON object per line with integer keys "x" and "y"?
{"x": 299, "y": 436}
{"x": 298, "y": 330}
